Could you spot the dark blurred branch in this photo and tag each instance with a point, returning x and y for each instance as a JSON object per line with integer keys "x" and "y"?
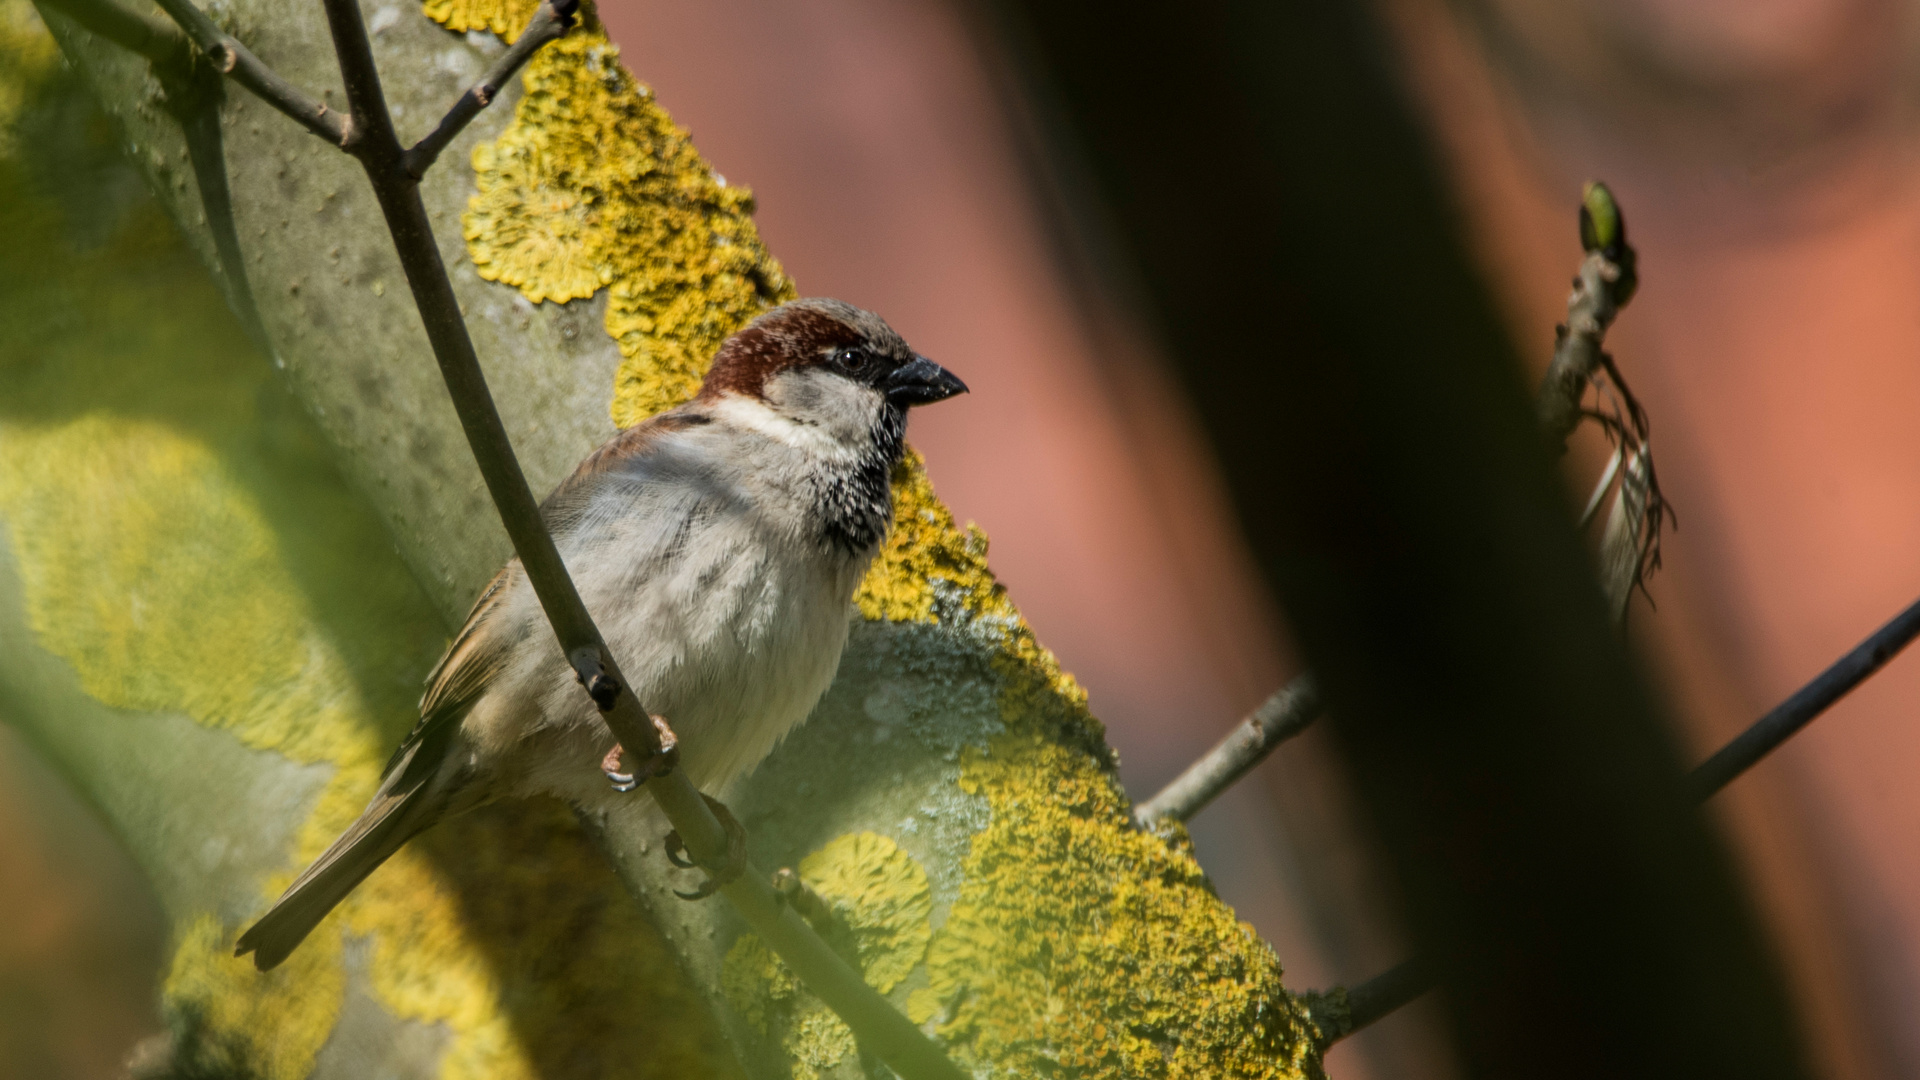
{"x": 550, "y": 22}
{"x": 1606, "y": 281}
{"x": 1290, "y": 711}
{"x": 1298, "y": 249}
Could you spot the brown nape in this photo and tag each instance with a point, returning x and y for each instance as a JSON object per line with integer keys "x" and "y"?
{"x": 802, "y": 332}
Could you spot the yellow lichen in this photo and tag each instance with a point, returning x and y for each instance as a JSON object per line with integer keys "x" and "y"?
{"x": 188, "y": 552}
{"x": 926, "y": 556}
{"x": 1080, "y": 943}
{"x": 878, "y": 895}
{"x": 593, "y": 186}
{"x": 755, "y": 981}
{"x": 819, "y": 1040}
{"x": 30, "y": 57}
{"x": 503, "y": 17}
{"x": 881, "y": 894}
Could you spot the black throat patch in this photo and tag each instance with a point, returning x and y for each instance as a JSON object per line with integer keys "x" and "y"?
{"x": 856, "y": 503}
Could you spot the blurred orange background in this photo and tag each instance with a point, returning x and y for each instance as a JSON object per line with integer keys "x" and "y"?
{"x": 1764, "y": 152}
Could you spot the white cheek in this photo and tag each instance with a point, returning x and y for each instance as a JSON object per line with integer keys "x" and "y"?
{"x": 839, "y": 407}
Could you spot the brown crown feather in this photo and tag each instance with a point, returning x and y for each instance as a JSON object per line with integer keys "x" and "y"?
{"x": 797, "y": 334}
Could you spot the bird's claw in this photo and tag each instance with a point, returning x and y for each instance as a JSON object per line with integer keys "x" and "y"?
{"x": 718, "y": 877}
{"x": 659, "y": 764}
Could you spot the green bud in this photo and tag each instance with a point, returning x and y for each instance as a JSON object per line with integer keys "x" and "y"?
{"x": 1601, "y": 228}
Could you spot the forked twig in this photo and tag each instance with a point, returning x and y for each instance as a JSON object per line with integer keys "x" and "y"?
{"x": 550, "y": 22}
{"x": 1290, "y": 711}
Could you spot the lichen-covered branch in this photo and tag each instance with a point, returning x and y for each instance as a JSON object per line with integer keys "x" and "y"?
{"x": 1290, "y": 711}
{"x": 370, "y": 138}
{"x": 952, "y": 798}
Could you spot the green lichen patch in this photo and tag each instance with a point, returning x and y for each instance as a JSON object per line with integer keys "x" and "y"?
{"x": 1083, "y": 947}
{"x": 881, "y": 894}
{"x": 503, "y": 17}
{"x": 593, "y": 186}
{"x": 878, "y": 893}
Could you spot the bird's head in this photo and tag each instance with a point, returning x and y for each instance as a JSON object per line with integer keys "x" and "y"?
{"x": 827, "y": 363}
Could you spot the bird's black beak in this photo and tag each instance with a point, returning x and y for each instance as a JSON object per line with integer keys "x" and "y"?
{"x": 920, "y": 381}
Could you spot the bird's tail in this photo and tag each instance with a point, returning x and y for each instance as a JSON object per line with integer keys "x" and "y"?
{"x": 393, "y": 818}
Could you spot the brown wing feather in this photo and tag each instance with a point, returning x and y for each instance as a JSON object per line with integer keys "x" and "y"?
{"x": 474, "y": 657}
{"x": 479, "y": 650}
{"x": 561, "y": 508}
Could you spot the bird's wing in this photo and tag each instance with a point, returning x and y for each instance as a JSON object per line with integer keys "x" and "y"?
{"x": 612, "y": 462}
{"x": 488, "y": 638}
{"x": 476, "y": 655}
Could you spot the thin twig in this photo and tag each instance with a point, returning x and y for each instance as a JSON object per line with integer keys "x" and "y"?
{"x": 1577, "y": 348}
{"x": 1808, "y": 702}
{"x": 1390, "y": 990}
{"x": 1290, "y": 711}
{"x": 550, "y": 22}
{"x": 1342, "y": 1011}
{"x": 1600, "y": 488}
{"x": 233, "y": 60}
{"x": 1630, "y": 549}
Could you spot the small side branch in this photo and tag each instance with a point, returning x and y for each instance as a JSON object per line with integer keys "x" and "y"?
{"x": 1807, "y": 703}
{"x": 235, "y": 61}
{"x": 550, "y": 22}
{"x": 1630, "y": 543}
{"x": 1382, "y": 994}
{"x": 1342, "y": 1011}
{"x": 1607, "y": 280}
{"x": 1287, "y": 713}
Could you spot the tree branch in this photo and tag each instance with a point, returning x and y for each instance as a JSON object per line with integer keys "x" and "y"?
{"x": 1816, "y": 697}
{"x": 1391, "y": 989}
{"x": 233, "y": 60}
{"x": 550, "y": 22}
{"x": 1343, "y": 1011}
{"x": 1290, "y": 711}
{"x": 1606, "y": 281}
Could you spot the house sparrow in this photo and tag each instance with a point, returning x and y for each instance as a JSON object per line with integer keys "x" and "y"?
{"x": 717, "y": 545}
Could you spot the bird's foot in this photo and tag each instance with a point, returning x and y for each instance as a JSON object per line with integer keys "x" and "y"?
{"x": 659, "y": 764}
{"x": 729, "y": 870}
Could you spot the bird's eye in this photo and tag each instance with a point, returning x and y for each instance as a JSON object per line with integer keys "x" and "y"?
{"x": 850, "y": 360}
